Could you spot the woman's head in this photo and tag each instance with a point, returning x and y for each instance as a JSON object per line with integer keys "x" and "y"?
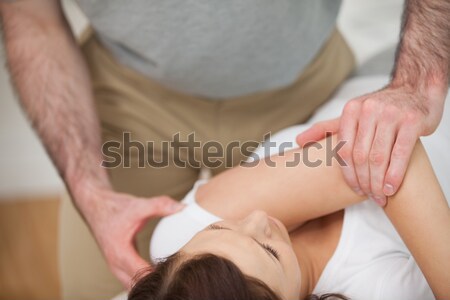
{"x": 247, "y": 259}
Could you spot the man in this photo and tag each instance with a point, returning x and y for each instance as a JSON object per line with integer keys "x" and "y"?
{"x": 225, "y": 70}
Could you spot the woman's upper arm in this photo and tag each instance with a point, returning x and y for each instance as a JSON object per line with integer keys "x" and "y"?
{"x": 300, "y": 185}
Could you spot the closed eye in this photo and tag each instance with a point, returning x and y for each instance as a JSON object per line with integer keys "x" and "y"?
{"x": 216, "y": 227}
{"x": 269, "y": 249}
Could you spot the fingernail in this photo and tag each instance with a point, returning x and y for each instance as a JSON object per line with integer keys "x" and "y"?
{"x": 358, "y": 191}
{"x": 388, "y": 189}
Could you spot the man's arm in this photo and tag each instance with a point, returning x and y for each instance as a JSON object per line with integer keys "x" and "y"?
{"x": 422, "y": 68}
{"x": 53, "y": 84}
{"x": 382, "y": 127}
{"x": 54, "y": 87}
{"x": 422, "y": 58}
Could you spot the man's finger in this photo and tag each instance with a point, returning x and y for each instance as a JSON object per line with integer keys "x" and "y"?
{"x": 379, "y": 157}
{"x": 145, "y": 209}
{"x": 363, "y": 143}
{"x": 347, "y": 132}
{"x": 401, "y": 153}
{"x": 317, "y": 132}
{"x": 163, "y": 206}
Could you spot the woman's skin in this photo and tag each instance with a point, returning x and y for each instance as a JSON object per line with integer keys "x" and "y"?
{"x": 247, "y": 242}
{"x": 309, "y": 202}
{"x": 259, "y": 245}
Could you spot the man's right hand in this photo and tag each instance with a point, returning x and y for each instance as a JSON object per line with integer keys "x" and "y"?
{"x": 115, "y": 219}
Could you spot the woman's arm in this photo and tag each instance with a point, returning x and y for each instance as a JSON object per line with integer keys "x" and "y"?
{"x": 293, "y": 194}
{"x": 421, "y": 216}
{"x": 418, "y": 211}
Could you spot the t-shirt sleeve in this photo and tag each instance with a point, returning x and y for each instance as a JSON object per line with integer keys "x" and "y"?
{"x": 406, "y": 281}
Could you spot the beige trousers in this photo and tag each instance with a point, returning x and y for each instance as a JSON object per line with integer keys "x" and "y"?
{"x": 126, "y": 101}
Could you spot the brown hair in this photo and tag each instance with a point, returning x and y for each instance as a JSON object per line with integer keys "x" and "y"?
{"x": 203, "y": 277}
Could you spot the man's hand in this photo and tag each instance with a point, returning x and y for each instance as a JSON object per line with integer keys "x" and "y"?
{"x": 115, "y": 219}
{"x": 380, "y": 130}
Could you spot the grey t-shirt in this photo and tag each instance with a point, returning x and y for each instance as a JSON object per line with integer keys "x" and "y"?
{"x": 214, "y": 48}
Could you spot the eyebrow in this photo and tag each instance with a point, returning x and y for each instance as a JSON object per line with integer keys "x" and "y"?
{"x": 272, "y": 256}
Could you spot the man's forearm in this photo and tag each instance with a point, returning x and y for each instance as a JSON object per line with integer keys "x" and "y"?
{"x": 422, "y": 60}
{"x": 53, "y": 84}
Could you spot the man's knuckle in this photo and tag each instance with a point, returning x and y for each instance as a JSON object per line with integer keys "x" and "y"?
{"x": 399, "y": 152}
{"x": 370, "y": 105}
{"x": 351, "y": 107}
{"x": 359, "y": 156}
{"x": 376, "y": 158}
{"x": 411, "y": 118}
{"x": 390, "y": 112}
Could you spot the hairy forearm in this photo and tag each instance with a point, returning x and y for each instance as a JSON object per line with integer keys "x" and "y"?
{"x": 54, "y": 88}
{"x": 422, "y": 60}
{"x": 421, "y": 216}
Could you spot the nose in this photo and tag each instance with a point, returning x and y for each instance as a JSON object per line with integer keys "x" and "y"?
{"x": 257, "y": 224}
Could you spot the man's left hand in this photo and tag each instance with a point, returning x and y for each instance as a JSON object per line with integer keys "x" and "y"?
{"x": 380, "y": 130}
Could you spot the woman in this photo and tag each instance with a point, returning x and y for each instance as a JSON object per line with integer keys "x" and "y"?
{"x": 320, "y": 237}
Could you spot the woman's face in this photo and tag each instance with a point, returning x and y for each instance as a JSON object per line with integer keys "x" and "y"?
{"x": 259, "y": 245}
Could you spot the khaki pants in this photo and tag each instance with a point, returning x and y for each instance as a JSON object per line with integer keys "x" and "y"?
{"x": 129, "y": 102}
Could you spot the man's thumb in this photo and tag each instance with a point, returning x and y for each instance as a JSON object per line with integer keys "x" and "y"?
{"x": 164, "y": 205}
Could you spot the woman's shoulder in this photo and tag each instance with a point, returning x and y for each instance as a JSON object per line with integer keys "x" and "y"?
{"x": 174, "y": 231}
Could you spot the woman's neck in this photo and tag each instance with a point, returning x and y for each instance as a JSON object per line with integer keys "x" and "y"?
{"x": 314, "y": 244}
